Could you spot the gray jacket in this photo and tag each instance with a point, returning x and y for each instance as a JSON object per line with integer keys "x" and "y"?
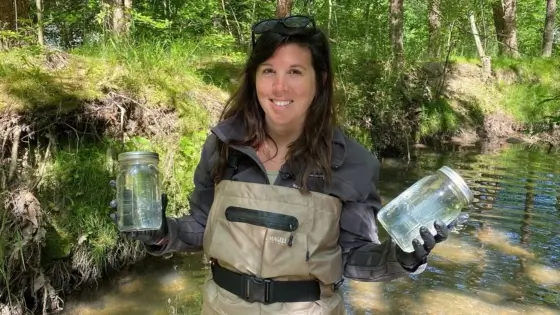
{"x": 355, "y": 176}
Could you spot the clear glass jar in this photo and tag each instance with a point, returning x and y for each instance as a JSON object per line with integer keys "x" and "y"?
{"x": 440, "y": 196}
{"x": 138, "y": 192}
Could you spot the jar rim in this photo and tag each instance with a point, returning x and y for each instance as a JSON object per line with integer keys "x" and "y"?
{"x": 133, "y": 155}
{"x": 459, "y": 181}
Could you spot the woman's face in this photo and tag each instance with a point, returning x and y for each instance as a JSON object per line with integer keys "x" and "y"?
{"x": 286, "y": 86}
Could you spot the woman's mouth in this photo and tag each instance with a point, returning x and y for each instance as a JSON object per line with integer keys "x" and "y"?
{"x": 281, "y": 103}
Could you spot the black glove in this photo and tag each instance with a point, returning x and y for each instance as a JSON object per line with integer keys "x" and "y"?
{"x": 411, "y": 261}
{"x": 156, "y": 237}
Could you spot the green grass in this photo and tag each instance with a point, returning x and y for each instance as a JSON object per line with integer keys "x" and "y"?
{"x": 75, "y": 193}
{"x": 537, "y": 80}
{"x": 159, "y": 73}
{"x": 439, "y": 117}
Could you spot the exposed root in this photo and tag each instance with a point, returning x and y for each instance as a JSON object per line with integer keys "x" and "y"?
{"x": 14, "y": 159}
{"x": 82, "y": 262}
{"x": 23, "y": 226}
{"x": 15, "y": 309}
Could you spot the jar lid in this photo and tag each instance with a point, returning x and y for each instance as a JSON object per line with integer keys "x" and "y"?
{"x": 134, "y": 155}
{"x": 459, "y": 181}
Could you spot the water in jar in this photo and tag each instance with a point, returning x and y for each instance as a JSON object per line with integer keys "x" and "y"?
{"x": 139, "y": 197}
{"x": 432, "y": 198}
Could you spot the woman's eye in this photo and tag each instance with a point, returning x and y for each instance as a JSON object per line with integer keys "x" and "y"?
{"x": 266, "y": 71}
{"x": 295, "y": 71}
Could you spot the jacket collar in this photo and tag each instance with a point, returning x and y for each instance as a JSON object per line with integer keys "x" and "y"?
{"x": 232, "y": 129}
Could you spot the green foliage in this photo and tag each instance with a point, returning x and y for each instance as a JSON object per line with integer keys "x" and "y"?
{"x": 530, "y": 25}
{"x": 534, "y": 93}
{"x": 75, "y": 193}
{"x": 439, "y": 118}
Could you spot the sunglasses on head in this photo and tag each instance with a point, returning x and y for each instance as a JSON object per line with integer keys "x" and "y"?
{"x": 287, "y": 25}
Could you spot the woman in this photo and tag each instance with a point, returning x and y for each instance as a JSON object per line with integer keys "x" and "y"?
{"x": 284, "y": 203}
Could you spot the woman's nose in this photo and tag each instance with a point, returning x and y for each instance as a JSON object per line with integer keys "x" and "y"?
{"x": 279, "y": 85}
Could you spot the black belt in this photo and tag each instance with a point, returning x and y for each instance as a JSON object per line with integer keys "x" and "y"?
{"x": 266, "y": 291}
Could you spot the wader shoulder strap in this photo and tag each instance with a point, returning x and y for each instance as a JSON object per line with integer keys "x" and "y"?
{"x": 231, "y": 166}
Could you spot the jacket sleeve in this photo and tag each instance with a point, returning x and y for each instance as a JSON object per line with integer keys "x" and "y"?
{"x": 185, "y": 233}
{"x": 365, "y": 258}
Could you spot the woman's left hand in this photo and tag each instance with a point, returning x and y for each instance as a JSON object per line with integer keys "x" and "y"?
{"x": 412, "y": 261}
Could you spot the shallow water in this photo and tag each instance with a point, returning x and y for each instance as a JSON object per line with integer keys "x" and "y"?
{"x": 504, "y": 260}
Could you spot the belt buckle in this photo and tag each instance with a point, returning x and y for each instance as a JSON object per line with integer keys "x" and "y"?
{"x": 257, "y": 289}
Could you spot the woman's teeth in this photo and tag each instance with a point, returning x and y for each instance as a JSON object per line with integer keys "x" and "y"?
{"x": 282, "y": 103}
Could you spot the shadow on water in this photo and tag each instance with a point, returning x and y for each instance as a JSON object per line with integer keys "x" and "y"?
{"x": 504, "y": 260}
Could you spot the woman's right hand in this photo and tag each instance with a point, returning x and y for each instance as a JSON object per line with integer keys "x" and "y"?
{"x": 155, "y": 237}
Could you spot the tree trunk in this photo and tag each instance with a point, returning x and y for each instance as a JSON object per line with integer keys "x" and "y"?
{"x": 283, "y": 8}
{"x": 396, "y": 27}
{"x": 548, "y": 34}
{"x": 226, "y": 18}
{"x": 40, "y": 36}
{"x": 499, "y": 24}
{"x": 121, "y": 16}
{"x": 434, "y": 27}
{"x": 330, "y": 18}
{"x": 486, "y": 64}
{"x": 510, "y": 34}
{"x": 127, "y": 15}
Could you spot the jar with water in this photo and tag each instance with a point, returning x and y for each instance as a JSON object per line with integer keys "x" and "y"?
{"x": 138, "y": 192}
{"x": 440, "y": 196}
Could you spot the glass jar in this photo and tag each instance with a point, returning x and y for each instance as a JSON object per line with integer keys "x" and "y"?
{"x": 138, "y": 192}
{"x": 440, "y": 196}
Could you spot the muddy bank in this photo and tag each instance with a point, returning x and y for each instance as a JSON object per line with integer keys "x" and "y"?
{"x": 42, "y": 259}
{"x": 477, "y": 107}
{"x": 63, "y": 121}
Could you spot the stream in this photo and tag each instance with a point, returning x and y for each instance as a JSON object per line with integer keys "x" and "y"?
{"x": 505, "y": 259}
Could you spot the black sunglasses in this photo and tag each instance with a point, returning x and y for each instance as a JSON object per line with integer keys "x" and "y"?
{"x": 285, "y": 25}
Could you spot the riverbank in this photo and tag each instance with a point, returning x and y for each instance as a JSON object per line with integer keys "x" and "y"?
{"x": 66, "y": 115}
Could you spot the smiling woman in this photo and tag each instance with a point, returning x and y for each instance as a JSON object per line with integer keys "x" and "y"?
{"x": 284, "y": 202}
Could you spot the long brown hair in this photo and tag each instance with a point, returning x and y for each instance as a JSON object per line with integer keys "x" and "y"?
{"x": 311, "y": 152}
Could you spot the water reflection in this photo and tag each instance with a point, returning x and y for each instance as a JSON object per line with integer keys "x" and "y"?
{"x": 504, "y": 260}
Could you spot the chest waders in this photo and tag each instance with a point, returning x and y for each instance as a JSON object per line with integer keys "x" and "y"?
{"x": 273, "y": 250}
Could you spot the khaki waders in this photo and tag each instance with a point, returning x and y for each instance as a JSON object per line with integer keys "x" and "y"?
{"x": 272, "y": 245}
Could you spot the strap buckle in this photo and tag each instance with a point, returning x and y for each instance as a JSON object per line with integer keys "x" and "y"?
{"x": 256, "y": 289}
